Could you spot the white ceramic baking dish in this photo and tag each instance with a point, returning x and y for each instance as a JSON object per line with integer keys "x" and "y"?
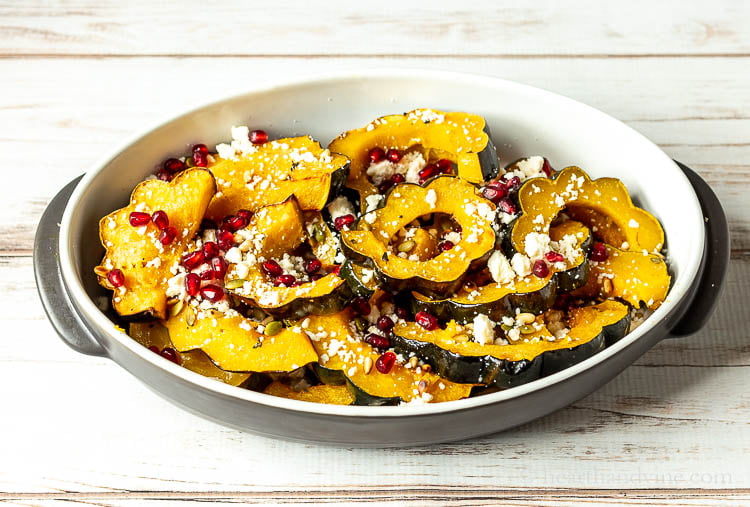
{"x": 523, "y": 120}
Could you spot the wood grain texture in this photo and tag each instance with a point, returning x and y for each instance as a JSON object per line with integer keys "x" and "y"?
{"x": 78, "y": 77}
{"x": 339, "y": 27}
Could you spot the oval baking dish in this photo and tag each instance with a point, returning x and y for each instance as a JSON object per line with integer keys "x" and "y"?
{"x": 523, "y": 120}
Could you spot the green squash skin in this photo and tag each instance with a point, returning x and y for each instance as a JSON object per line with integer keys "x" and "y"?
{"x": 338, "y": 180}
{"x": 301, "y": 307}
{"x": 532, "y": 302}
{"x": 503, "y": 374}
{"x": 339, "y": 378}
{"x": 488, "y": 158}
{"x": 487, "y": 370}
{"x": 351, "y": 273}
{"x": 557, "y": 360}
{"x": 428, "y": 287}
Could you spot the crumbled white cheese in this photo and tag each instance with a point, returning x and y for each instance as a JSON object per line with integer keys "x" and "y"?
{"x": 340, "y": 206}
{"x": 521, "y": 264}
{"x": 633, "y": 223}
{"x": 500, "y": 268}
{"x": 484, "y": 329}
{"x": 431, "y": 198}
{"x": 373, "y": 201}
{"x": 536, "y": 245}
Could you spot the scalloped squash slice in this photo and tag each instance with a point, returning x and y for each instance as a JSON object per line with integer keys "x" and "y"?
{"x": 235, "y": 344}
{"x": 138, "y": 252}
{"x": 272, "y": 172}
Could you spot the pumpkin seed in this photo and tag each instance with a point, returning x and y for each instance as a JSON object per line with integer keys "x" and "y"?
{"x": 367, "y": 367}
{"x": 656, "y": 260}
{"x": 318, "y": 233}
{"x": 190, "y": 316}
{"x": 527, "y": 329}
{"x": 607, "y": 286}
{"x": 361, "y": 324}
{"x": 406, "y": 246}
{"x": 235, "y": 284}
{"x": 176, "y": 308}
{"x": 189, "y": 162}
{"x": 101, "y": 271}
{"x": 505, "y": 327}
{"x": 525, "y": 318}
{"x": 273, "y": 328}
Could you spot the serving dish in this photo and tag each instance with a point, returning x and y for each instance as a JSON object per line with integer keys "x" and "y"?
{"x": 524, "y": 121}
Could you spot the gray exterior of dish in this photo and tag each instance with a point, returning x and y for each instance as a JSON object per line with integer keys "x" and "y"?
{"x": 366, "y": 431}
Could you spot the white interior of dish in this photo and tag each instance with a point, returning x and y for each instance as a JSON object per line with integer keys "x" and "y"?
{"x": 524, "y": 121}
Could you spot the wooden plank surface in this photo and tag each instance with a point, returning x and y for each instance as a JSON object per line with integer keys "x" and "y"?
{"x": 78, "y": 77}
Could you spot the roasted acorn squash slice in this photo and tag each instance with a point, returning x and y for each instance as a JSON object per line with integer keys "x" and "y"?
{"x": 635, "y": 277}
{"x": 541, "y": 200}
{"x": 455, "y": 358}
{"x": 279, "y": 229}
{"x": 332, "y": 395}
{"x": 153, "y": 334}
{"x": 136, "y": 251}
{"x": 235, "y": 344}
{"x": 272, "y": 172}
{"x": 528, "y": 294}
{"x": 462, "y": 138}
{"x": 344, "y": 360}
{"x": 370, "y": 242}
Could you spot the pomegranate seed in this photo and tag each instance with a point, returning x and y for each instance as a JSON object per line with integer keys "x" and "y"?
{"x": 212, "y": 292}
{"x": 160, "y": 219}
{"x": 192, "y": 284}
{"x": 511, "y": 184}
{"x": 171, "y": 354}
{"x": 336, "y": 270}
{"x": 245, "y": 213}
{"x": 210, "y": 250}
{"x": 426, "y": 320}
{"x": 376, "y": 154}
{"x": 116, "y": 278}
{"x": 343, "y": 221}
{"x": 444, "y": 166}
{"x": 598, "y": 252}
{"x": 397, "y": 178}
{"x": 547, "y": 168}
{"x": 174, "y": 165}
{"x": 446, "y": 245}
{"x": 219, "y": 267}
{"x": 377, "y": 341}
{"x": 507, "y": 206}
{"x": 236, "y": 223}
{"x": 554, "y": 257}
{"x": 313, "y": 266}
{"x": 225, "y": 240}
{"x": 315, "y": 277}
{"x": 393, "y": 155}
{"x": 154, "y": 349}
{"x": 258, "y": 137}
{"x": 272, "y": 268}
{"x": 164, "y": 175}
{"x": 287, "y": 280}
{"x": 207, "y": 274}
{"x": 494, "y": 193}
{"x": 540, "y": 268}
{"x": 168, "y": 235}
{"x": 384, "y": 323}
{"x": 428, "y": 172}
{"x": 361, "y": 305}
{"x": 207, "y": 224}
{"x": 193, "y": 259}
{"x": 402, "y": 313}
{"x": 138, "y": 218}
{"x": 200, "y": 155}
{"x": 384, "y": 187}
{"x": 385, "y": 363}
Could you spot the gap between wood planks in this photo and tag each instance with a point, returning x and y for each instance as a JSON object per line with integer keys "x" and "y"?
{"x": 569, "y": 56}
{"x": 396, "y": 492}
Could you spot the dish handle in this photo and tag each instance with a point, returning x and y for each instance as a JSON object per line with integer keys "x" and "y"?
{"x": 715, "y": 258}
{"x": 52, "y": 291}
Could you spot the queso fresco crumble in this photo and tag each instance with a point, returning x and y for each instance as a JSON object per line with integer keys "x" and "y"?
{"x": 400, "y": 264}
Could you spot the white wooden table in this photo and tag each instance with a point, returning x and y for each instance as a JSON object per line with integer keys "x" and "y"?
{"x": 77, "y": 77}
